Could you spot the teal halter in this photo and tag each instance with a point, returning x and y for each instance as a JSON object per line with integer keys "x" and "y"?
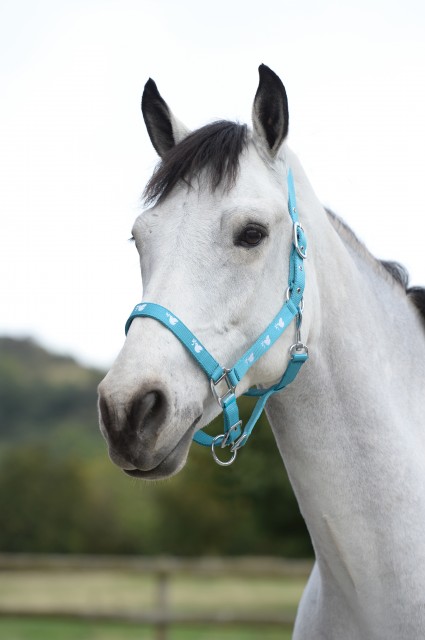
{"x": 224, "y": 381}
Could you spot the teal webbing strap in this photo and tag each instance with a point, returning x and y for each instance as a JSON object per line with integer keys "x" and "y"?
{"x": 291, "y": 372}
{"x": 186, "y": 337}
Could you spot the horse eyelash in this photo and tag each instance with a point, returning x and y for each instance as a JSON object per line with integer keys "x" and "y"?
{"x": 132, "y": 239}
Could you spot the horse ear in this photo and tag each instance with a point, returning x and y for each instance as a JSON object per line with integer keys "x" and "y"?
{"x": 164, "y": 129}
{"x": 270, "y": 114}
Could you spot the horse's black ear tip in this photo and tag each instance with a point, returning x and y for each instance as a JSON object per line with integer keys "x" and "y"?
{"x": 267, "y": 73}
{"x": 150, "y": 93}
{"x": 150, "y": 86}
{"x": 262, "y": 69}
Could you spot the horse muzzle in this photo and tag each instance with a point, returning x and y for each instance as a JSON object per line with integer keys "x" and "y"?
{"x": 146, "y": 436}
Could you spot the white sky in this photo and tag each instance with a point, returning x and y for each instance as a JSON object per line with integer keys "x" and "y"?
{"x": 74, "y": 154}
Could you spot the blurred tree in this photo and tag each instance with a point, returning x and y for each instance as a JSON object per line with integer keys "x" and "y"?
{"x": 40, "y": 502}
{"x": 38, "y": 390}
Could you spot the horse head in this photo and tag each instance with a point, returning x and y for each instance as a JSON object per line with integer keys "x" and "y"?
{"x": 214, "y": 243}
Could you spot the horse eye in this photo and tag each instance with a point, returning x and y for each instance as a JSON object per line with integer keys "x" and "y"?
{"x": 251, "y": 236}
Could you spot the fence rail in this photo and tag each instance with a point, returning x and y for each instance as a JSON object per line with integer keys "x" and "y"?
{"x": 162, "y": 569}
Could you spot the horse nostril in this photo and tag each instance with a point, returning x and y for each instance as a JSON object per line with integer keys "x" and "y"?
{"x": 149, "y": 411}
{"x": 143, "y": 413}
{"x": 105, "y": 413}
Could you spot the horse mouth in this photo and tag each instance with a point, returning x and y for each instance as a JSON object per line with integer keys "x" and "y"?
{"x": 173, "y": 462}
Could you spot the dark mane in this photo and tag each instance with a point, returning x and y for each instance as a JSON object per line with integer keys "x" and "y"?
{"x": 417, "y": 295}
{"x": 401, "y": 275}
{"x": 396, "y": 270}
{"x": 215, "y": 148}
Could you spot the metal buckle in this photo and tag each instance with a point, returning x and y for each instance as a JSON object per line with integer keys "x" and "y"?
{"x": 230, "y": 388}
{"x": 302, "y": 251}
{"x": 239, "y": 442}
{"x": 226, "y": 436}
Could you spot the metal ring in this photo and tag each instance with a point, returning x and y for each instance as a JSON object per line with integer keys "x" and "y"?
{"x": 216, "y": 459}
{"x": 298, "y": 346}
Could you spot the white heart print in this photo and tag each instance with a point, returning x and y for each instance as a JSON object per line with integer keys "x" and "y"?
{"x": 171, "y": 319}
{"x": 266, "y": 342}
{"x": 196, "y": 346}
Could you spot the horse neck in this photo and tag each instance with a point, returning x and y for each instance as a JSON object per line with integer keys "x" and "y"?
{"x": 350, "y": 429}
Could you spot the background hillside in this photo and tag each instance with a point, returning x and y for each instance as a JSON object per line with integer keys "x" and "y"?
{"x": 60, "y": 493}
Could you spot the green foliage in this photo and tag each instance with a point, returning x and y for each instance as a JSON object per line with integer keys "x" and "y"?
{"x": 60, "y": 493}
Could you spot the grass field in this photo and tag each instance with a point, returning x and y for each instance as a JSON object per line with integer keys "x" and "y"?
{"x": 53, "y": 630}
{"x": 121, "y": 592}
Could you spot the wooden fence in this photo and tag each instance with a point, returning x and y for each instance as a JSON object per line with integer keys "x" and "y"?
{"x": 162, "y": 569}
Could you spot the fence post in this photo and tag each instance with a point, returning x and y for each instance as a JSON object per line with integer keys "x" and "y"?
{"x": 162, "y": 605}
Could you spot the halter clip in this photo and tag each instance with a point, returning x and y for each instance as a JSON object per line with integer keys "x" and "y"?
{"x": 299, "y": 348}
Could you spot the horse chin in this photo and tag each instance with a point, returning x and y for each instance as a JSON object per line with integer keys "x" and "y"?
{"x": 164, "y": 470}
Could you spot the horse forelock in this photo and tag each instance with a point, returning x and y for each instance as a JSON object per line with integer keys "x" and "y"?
{"x": 214, "y": 149}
